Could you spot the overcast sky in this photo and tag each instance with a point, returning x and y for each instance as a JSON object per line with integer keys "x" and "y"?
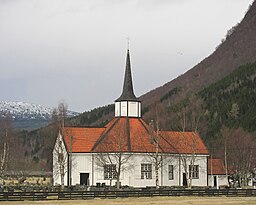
{"x": 74, "y": 50}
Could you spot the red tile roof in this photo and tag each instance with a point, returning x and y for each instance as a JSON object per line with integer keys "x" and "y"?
{"x": 184, "y": 142}
{"x": 114, "y": 139}
{"x": 132, "y": 135}
{"x": 83, "y": 139}
{"x": 217, "y": 166}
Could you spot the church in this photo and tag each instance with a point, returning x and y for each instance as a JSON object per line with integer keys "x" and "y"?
{"x": 128, "y": 151}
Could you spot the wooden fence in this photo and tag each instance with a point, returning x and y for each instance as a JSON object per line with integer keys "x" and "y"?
{"x": 41, "y": 195}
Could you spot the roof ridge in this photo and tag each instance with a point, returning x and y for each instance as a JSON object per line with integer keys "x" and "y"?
{"x": 128, "y": 134}
{"x": 169, "y": 144}
{"x": 104, "y": 134}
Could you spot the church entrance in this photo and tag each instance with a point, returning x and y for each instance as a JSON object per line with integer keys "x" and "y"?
{"x": 84, "y": 179}
{"x": 215, "y": 181}
{"x": 185, "y": 182}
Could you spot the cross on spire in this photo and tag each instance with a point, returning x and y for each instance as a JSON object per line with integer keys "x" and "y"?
{"x": 128, "y": 42}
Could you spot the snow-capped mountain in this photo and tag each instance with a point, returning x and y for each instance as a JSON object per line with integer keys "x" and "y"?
{"x": 23, "y": 110}
{"x": 24, "y": 114}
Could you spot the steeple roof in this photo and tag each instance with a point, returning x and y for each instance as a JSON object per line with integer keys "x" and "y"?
{"x": 127, "y": 93}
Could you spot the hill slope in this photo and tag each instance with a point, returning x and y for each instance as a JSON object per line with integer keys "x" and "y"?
{"x": 230, "y": 102}
{"x": 238, "y": 49}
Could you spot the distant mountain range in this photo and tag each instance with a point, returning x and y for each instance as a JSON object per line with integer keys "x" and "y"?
{"x": 28, "y": 115}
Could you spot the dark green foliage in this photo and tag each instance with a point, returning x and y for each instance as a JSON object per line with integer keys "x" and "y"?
{"x": 231, "y": 101}
{"x": 30, "y": 124}
{"x": 90, "y": 117}
{"x": 144, "y": 110}
{"x": 172, "y": 92}
{"x": 35, "y": 159}
{"x": 178, "y": 107}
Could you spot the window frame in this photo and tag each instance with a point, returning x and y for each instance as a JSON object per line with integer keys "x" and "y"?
{"x": 110, "y": 171}
{"x": 146, "y": 171}
{"x": 194, "y": 171}
{"x": 170, "y": 172}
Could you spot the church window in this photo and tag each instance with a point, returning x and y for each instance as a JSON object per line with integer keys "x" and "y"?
{"x": 60, "y": 157}
{"x": 194, "y": 171}
{"x": 170, "y": 172}
{"x": 146, "y": 171}
{"x": 110, "y": 171}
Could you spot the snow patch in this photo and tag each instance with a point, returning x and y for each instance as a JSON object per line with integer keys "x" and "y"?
{"x": 23, "y": 110}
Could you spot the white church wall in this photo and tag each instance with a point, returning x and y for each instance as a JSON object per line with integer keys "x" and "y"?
{"x": 125, "y": 176}
{"x": 167, "y": 181}
{"x": 128, "y": 108}
{"x": 133, "y": 109}
{"x": 56, "y": 169}
{"x": 139, "y": 109}
{"x": 81, "y": 163}
{"x": 132, "y": 175}
{"x": 221, "y": 180}
{"x": 124, "y": 108}
{"x": 117, "y": 109}
{"x": 201, "y": 161}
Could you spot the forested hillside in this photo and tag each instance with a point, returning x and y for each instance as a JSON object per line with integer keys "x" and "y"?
{"x": 230, "y": 102}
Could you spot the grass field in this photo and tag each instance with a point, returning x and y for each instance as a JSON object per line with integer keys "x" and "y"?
{"x": 150, "y": 201}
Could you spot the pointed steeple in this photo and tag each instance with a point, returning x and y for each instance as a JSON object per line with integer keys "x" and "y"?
{"x": 127, "y": 93}
{"x": 127, "y": 105}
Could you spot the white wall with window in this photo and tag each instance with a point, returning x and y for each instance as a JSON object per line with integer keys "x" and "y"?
{"x": 198, "y": 170}
{"x": 141, "y": 172}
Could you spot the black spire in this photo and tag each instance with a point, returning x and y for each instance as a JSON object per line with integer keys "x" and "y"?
{"x": 127, "y": 93}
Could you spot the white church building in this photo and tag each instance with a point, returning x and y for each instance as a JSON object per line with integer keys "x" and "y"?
{"x": 129, "y": 151}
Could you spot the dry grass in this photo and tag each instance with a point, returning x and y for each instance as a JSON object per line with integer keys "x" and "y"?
{"x": 150, "y": 201}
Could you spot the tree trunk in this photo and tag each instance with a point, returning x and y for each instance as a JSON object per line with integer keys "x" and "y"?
{"x": 225, "y": 158}
{"x": 118, "y": 173}
{"x": 157, "y": 177}
{"x": 3, "y": 159}
{"x": 62, "y": 174}
{"x": 118, "y": 182}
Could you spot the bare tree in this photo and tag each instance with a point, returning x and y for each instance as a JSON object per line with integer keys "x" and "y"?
{"x": 239, "y": 152}
{"x": 58, "y": 117}
{"x": 226, "y": 135}
{"x": 60, "y": 154}
{"x": 5, "y": 135}
{"x": 188, "y": 159}
{"x": 190, "y": 116}
{"x": 156, "y": 156}
{"x": 60, "y": 159}
{"x": 114, "y": 157}
{"x": 62, "y": 114}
